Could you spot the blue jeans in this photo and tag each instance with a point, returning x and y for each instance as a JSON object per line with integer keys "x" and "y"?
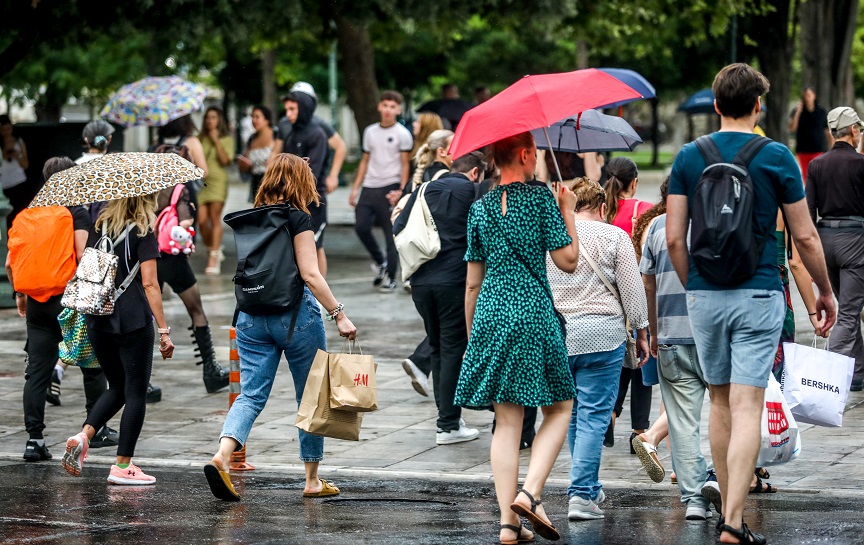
{"x": 683, "y": 387}
{"x": 595, "y": 376}
{"x": 736, "y": 333}
{"x": 261, "y": 341}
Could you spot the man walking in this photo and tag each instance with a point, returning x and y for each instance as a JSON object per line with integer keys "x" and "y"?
{"x": 736, "y": 325}
{"x": 438, "y": 287}
{"x": 835, "y": 187}
{"x": 383, "y": 173}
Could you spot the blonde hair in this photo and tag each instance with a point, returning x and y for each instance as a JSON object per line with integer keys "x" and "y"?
{"x": 429, "y": 151}
{"x": 288, "y": 179}
{"x": 429, "y": 123}
{"x": 589, "y": 194}
{"x": 139, "y": 211}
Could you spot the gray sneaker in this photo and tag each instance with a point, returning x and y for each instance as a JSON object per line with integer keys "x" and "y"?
{"x": 461, "y": 435}
{"x": 697, "y": 512}
{"x": 584, "y": 509}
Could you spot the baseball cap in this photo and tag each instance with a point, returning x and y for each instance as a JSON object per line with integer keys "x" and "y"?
{"x": 304, "y": 87}
{"x": 842, "y": 117}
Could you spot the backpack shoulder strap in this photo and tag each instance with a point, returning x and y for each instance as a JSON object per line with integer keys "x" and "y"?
{"x": 750, "y": 149}
{"x": 175, "y": 196}
{"x": 709, "y": 150}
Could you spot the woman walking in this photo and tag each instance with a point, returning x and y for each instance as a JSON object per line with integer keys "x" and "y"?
{"x": 97, "y": 138}
{"x": 596, "y": 335}
{"x": 258, "y": 149}
{"x": 433, "y": 158}
{"x": 516, "y": 355}
{"x": 263, "y": 339}
{"x": 123, "y": 340}
{"x": 623, "y": 210}
{"x": 218, "y": 147}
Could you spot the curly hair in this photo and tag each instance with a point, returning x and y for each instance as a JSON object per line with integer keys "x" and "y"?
{"x": 645, "y": 219}
{"x": 589, "y": 194}
{"x": 288, "y": 179}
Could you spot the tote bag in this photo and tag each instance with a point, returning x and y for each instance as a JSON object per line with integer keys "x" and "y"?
{"x": 816, "y": 383}
{"x": 419, "y": 241}
{"x": 780, "y": 441}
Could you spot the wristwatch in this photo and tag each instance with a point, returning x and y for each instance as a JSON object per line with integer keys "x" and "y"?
{"x": 164, "y": 331}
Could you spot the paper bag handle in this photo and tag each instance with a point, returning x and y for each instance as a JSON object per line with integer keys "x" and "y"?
{"x": 350, "y": 344}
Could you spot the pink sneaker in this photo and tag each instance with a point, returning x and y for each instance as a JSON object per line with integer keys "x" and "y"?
{"x": 76, "y": 452}
{"x": 132, "y": 475}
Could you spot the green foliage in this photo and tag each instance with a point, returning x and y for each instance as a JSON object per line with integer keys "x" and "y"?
{"x": 858, "y": 55}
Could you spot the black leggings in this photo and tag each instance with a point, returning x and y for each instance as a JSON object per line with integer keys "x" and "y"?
{"x": 640, "y": 398}
{"x": 126, "y": 361}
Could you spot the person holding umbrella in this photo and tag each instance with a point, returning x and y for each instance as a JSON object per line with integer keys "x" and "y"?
{"x": 122, "y": 340}
{"x": 516, "y": 354}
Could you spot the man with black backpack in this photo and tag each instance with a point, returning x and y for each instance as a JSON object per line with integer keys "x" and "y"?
{"x": 730, "y": 184}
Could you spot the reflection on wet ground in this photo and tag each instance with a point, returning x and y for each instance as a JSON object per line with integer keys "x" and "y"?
{"x": 40, "y": 503}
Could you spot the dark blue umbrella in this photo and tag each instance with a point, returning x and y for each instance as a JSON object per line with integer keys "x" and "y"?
{"x": 590, "y": 131}
{"x": 634, "y": 80}
{"x": 700, "y": 102}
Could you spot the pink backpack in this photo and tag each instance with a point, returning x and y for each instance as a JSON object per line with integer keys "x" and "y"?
{"x": 168, "y": 219}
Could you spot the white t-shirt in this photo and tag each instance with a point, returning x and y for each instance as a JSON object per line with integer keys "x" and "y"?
{"x": 385, "y": 147}
{"x": 11, "y": 172}
{"x": 85, "y": 157}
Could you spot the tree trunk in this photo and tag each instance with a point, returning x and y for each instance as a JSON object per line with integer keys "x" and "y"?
{"x": 268, "y": 81}
{"x": 775, "y": 50}
{"x": 827, "y": 30}
{"x": 357, "y": 60}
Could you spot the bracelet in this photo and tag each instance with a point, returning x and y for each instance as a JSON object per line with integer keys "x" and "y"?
{"x": 164, "y": 330}
{"x": 812, "y": 314}
{"x": 335, "y": 312}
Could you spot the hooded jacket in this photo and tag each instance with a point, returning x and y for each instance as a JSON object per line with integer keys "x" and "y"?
{"x": 307, "y": 139}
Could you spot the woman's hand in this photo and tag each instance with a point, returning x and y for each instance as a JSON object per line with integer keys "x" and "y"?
{"x": 346, "y": 328}
{"x": 213, "y": 134}
{"x": 166, "y": 347}
{"x": 21, "y": 303}
{"x": 565, "y": 198}
{"x": 642, "y": 349}
{"x": 243, "y": 163}
{"x": 818, "y": 324}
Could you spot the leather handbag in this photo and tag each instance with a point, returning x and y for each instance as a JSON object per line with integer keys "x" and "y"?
{"x": 631, "y": 356}
{"x": 91, "y": 290}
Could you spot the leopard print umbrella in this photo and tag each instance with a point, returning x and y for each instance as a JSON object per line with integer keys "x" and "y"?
{"x": 116, "y": 176}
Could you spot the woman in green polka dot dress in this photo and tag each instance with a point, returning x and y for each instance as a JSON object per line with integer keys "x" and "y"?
{"x": 516, "y": 353}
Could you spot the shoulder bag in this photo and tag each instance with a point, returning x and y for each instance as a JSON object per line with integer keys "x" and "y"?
{"x": 631, "y": 357}
{"x": 419, "y": 241}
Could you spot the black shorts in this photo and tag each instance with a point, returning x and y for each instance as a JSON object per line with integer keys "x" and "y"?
{"x": 175, "y": 271}
{"x": 319, "y": 221}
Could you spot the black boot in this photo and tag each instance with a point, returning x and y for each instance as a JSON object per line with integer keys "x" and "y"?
{"x": 215, "y": 377}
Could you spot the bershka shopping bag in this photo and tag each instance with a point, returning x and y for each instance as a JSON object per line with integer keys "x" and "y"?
{"x": 781, "y": 441}
{"x": 352, "y": 380}
{"x": 816, "y": 383}
{"x": 315, "y": 415}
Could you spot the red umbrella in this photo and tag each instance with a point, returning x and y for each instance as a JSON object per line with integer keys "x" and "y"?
{"x": 534, "y": 102}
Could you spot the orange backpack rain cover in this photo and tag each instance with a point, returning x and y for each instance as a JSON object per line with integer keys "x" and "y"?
{"x": 42, "y": 251}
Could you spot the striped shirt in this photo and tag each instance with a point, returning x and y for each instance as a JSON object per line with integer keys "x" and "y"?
{"x": 595, "y": 318}
{"x": 673, "y": 322}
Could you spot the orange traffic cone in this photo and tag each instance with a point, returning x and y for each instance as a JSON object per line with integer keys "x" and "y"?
{"x": 238, "y": 458}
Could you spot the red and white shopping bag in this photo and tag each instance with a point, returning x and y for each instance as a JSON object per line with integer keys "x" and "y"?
{"x": 781, "y": 441}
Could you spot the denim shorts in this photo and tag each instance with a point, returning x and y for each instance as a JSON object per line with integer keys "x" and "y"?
{"x": 736, "y": 333}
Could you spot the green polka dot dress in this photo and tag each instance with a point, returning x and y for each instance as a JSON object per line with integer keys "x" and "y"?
{"x": 516, "y": 353}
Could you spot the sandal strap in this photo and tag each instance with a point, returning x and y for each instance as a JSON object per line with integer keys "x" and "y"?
{"x": 512, "y": 528}
{"x": 744, "y": 535}
{"x": 534, "y": 503}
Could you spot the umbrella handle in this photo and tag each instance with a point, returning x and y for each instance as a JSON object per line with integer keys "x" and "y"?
{"x": 554, "y": 159}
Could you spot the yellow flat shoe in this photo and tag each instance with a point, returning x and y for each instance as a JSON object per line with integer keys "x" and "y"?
{"x": 220, "y": 483}
{"x": 327, "y": 489}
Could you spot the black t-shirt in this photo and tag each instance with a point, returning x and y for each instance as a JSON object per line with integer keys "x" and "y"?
{"x": 131, "y": 310}
{"x": 299, "y": 221}
{"x": 810, "y": 136}
{"x": 80, "y": 218}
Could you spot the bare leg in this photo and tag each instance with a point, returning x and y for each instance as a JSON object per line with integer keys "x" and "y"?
{"x": 206, "y": 231}
{"x": 222, "y": 459}
{"x": 742, "y": 449}
{"x": 192, "y": 299}
{"x": 505, "y": 461}
{"x": 659, "y": 430}
{"x": 215, "y": 244}
{"x": 545, "y": 450}
{"x": 313, "y": 483}
{"x": 719, "y": 424}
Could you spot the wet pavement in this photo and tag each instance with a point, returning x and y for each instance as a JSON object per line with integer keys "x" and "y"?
{"x": 40, "y": 503}
{"x": 820, "y": 497}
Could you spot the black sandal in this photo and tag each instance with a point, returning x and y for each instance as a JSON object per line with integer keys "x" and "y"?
{"x": 744, "y": 535}
{"x": 518, "y": 531}
{"x": 763, "y": 473}
{"x": 763, "y": 487}
{"x": 542, "y": 527}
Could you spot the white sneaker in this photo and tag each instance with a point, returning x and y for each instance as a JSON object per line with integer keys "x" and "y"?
{"x": 456, "y": 436}
{"x": 419, "y": 381}
{"x": 697, "y": 512}
{"x": 711, "y": 492}
{"x": 584, "y": 509}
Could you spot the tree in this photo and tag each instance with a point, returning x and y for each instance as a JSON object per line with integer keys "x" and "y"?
{"x": 827, "y": 30}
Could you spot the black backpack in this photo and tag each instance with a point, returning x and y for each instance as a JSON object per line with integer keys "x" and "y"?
{"x": 724, "y": 239}
{"x": 267, "y": 280}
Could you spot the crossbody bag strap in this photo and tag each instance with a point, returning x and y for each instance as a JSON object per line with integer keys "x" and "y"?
{"x": 132, "y": 272}
{"x": 593, "y": 264}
